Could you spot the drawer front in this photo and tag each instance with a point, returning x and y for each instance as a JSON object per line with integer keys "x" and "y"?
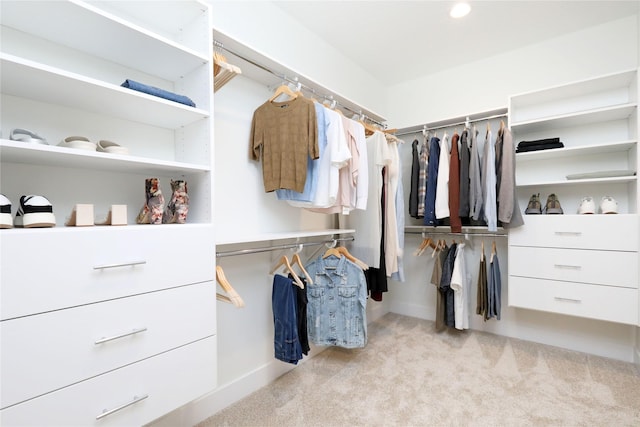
{"x": 45, "y": 352}
{"x": 170, "y": 380}
{"x": 575, "y": 265}
{"x": 50, "y": 269}
{"x": 618, "y": 305}
{"x": 609, "y": 232}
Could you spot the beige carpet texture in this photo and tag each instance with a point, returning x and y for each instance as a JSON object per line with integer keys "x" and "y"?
{"x": 410, "y": 375}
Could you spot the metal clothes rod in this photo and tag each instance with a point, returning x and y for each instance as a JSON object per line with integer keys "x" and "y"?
{"x": 430, "y": 128}
{"x": 464, "y": 233}
{"x": 302, "y": 85}
{"x": 281, "y": 247}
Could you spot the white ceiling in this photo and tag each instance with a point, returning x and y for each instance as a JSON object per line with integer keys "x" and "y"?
{"x": 398, "y": 40}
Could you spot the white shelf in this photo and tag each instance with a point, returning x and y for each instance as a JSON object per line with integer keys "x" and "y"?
{"x": 268, "y": 237}
{"x": 568, "y": 152}
{"x": 612, "y": 180}
{"x": 28, "y": 79}
{"x": 52, "y": 155}
{"x": 105, "y": 35}
{"x": 598, "y": 115}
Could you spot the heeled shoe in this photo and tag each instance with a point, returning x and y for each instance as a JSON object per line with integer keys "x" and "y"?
{"x": 178, "y": 207}
{"x": 151, "y": 212}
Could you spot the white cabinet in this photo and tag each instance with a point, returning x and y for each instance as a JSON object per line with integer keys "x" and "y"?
{"x": 150, "y": 287}
{"x": 579, "y": 265}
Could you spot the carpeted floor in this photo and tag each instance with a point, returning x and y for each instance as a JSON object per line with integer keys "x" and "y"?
{"x": 409, "y": 375}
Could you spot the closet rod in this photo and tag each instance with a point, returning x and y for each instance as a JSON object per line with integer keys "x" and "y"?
{"x": 466, "y": 233}
{"x": 429, "y": 128}
{"x": 282, "y": 247}
{"x": 295, "y": 81}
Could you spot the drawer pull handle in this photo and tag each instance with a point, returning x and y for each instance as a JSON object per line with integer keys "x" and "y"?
{"x": 569, "y": 233}
{"x": 135, "y": 400}
{"x": 568, "y": 299}
{"x": 567, "y": 266}
{"x": 126, "y": 264}
{"x": 115, "y": 337}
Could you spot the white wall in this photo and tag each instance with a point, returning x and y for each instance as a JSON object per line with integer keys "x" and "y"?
{"x": 486, "y": 85}
{"x": 275, "y": 34}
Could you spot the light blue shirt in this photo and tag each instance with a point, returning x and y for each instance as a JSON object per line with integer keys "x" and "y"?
{"x": 336, "y": 311}
{"x": 311, "y": 181}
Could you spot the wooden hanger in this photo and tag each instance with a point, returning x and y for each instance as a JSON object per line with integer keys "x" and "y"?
{"x": 493, "y": 250}
{"x": 427, "y": 242}
{"x": 231, "y": 296}
{"x": 332, "y": 251}
{"x": 284, "y": 90}
{"x": 284, "y": 261}
{"x": 297, "y": 261}
{"x": 344, "y": 251}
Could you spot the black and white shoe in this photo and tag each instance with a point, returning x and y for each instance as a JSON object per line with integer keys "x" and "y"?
{"x": 35, "y": 211}
{"x": 5, "y": 212}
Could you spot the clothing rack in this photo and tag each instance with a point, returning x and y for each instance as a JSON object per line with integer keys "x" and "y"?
{"x": 440, "y": 125}
{"x": 466, "y": 232}
{"x": 282, "y": 247}
{"x": 295, "y": 81}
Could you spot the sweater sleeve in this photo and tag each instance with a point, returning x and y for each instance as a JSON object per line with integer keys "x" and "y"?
{"x": 314, "y": 150}
{"x": 256, "y": 136}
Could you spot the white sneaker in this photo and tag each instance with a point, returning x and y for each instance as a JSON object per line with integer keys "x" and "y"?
{"x": 587, "y": 206}
{"x": 5, "y": 212}
{"x": 608, "y": 205}
{"x": 35, "y": 211}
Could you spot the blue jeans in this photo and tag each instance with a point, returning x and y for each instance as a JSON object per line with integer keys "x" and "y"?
{"x": 286, "y": 344}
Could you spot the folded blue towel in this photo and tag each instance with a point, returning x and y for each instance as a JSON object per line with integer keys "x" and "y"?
{"x": 151, "y": 90}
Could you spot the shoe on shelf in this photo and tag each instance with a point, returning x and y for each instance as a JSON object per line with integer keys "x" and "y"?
{"x": 534, "y": 208}
{"x": 178, "y": 207}
{"x": 608, "y": 205}
{"x": 34, "y": 212}
{"x": 105, "y": 146}
{"x": 78, "y": 142}
{"x": 151, "y": 212}
{"x": 587, "y": 206}
{"x": 25, "y": 135}
{"x": 553, "y": 205}
{"x": 5, "y": 212}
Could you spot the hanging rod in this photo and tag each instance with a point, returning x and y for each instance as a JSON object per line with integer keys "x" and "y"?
{"x": 282, "y": 247}
{"x": 467, "y": 232}
{"x": 295, "y": 81}
{"x": 444, "y": 126}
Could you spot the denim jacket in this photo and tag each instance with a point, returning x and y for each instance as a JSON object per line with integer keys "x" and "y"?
{"x": 336, "y": 312}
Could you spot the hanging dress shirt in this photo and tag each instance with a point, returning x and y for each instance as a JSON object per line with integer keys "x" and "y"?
{"x": 432, "y": 183}
{"x": 422, "y": 179}
{"x": 508, "y": 209}
{"x": 454, "y": 186}
{"x": 465, "y": 156}
{"x": 415, "y": 177}
{"x": 489, "y": 184}
{"x": 475, "y": 176}
{"x": 460, "y": 285}
{"x": 442, "y": 186}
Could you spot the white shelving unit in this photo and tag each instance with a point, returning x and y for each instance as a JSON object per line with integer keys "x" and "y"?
{"x": 552, "y": 257}
{"x": 114, "y": 300}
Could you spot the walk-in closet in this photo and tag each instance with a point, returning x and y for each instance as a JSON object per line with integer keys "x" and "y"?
{"x": 253, "y": 213}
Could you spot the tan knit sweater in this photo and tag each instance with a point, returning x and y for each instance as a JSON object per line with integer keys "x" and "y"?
{"x": 287, "y": 133}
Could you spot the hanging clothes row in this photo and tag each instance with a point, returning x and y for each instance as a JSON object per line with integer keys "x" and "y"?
{"x": 325, "y": 305}
{"x": 468, "y": 179}
{"x": 315, "y": 158}
{"x": 452, "y": 280}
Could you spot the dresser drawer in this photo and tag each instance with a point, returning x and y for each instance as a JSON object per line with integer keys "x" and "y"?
{"x": 50, "y": 269}
{"x": 575, "y": 265}
{"x": 618, "y": 305}
{"x": 45, "y": 352}
{"x": 609, "y": 232}
{"x": 170, "y": 380}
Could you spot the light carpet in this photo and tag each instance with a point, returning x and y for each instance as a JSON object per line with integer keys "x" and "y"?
{"x": 411, "y": 375}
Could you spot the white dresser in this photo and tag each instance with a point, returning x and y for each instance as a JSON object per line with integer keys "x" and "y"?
{"x": 579, "y": 265}
{"x": 106, "y": 325}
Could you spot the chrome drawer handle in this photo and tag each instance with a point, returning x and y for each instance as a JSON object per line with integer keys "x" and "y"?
{"x": 568, "y": 233}
{"x": 568, "y": 299}
{"x": 135, "y": 400}
{"x": 572, "y": 267}
{"x": 115, "y": 337}
{"x": 126, "y": 264}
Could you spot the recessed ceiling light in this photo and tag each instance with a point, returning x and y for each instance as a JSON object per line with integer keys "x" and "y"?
{"x": 460, "y": 10}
